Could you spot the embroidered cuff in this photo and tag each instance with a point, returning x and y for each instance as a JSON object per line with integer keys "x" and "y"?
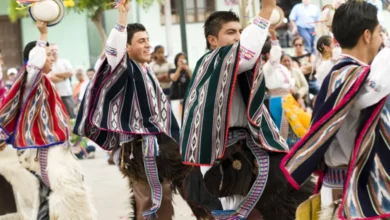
{"x": 111, "y": 51}
{"x": 41, "y": 43}
{"x": 261, "y": 22}
{"x": 275, "y": 43}
{"x": 246, "y": 54}
{"x": 120, "y": 28}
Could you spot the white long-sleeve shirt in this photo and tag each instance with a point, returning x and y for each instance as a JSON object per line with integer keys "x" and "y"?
{"x": 376, "y": 88}
{"x": 116, "y": 45}
{"x": 251, "y": 42}
{"x": 276, "y": 75}
{"x": 36, "y": 61}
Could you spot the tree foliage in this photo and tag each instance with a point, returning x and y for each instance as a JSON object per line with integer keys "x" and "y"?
{"x": 14, "y": 14}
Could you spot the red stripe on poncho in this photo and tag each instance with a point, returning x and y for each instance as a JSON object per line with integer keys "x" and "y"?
{"x": 38, "y": 122}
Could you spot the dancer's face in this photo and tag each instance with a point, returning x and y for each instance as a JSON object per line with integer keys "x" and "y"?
{"x": 49, "y": 61}
{"x": 139, "y": 49}
{"x": 229, "y": 34}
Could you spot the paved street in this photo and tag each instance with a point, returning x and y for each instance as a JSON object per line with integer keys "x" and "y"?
{"x": 110, "y": 191}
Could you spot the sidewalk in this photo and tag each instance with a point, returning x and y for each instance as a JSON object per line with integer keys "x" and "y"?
{"x": 111, "y": 194}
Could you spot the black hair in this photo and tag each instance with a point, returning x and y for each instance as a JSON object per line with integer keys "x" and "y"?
{"x": 266, "y": 50}
{"x": 325, "y": 40}
{"x": 177, "y": 58}
{"x": 298, "y": 38}
{"x": 132, "y": 29}
{"x": 28, "y": 48}
{"x": 350, "y": 21}
{"x": 214, "y": 23}
{"x": 157, "y": 48}
{"x": 284, "y": 54}
{"x": 91, "y": 69}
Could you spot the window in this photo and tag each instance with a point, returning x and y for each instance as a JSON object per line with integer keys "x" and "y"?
{"x": 196, "y": 10}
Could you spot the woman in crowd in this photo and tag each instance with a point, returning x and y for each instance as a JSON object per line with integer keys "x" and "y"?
{"x": 81, "y": 86}
{"x": 292, "y": 121}
{"x": 301, "y": 88}
{"x": 304, "y": 60}
{"x": 161, "y": 68}
{"x": 180, "y": 77}
{"x": 326, "y": 62}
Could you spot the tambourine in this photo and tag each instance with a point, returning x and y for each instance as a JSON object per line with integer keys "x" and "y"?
{"x": 277, "y": 17}
{"x": 50, "y": 11}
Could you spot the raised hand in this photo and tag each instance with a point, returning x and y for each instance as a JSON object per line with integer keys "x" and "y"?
{"x": 42, "y": 27}
{"x": 123, "y": 10}
{"x": 266, "y": 8}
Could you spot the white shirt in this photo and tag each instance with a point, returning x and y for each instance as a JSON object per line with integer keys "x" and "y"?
{"x": 64, "y": 88}
{"x": 251, "y": 42}
{"x": 340, "y": 150}
{"x": 276, "y": 75}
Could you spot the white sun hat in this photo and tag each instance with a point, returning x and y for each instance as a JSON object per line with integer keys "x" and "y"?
{"x": 50, "y": 11}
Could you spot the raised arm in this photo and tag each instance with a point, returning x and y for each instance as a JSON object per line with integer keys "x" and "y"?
{"x": 377, "y": 86}
{"x": 254, "y": 36}
{"x": 37, "y": 56}
{"x": 276, "y": 50}
{"x": 117, "y": 40}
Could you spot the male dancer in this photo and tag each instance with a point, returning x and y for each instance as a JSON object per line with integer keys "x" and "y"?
{"x": 125, "y": 110}
{"x": 227, "y": 130}
{"x": 34, "y": 121}
{"x": 347, "y": 143}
